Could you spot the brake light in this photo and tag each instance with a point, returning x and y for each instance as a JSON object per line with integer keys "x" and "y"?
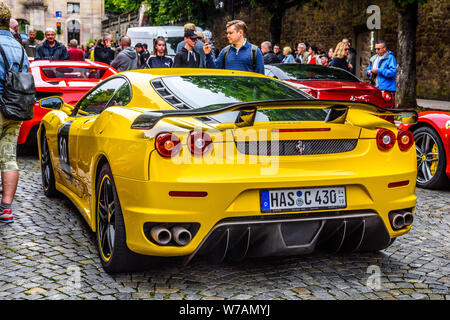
{"x": 405, "y": 140}
{"x": 385, "y": 139}
{"x": 167, "y": 144}
{"x": 387, "y": 96}
{"x": 199, "y": 142}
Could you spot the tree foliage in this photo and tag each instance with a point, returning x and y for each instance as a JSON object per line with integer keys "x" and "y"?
{"x": 122, "y": 6}
{"x": 199, "y": 12}
{"x": 40, "y": 35}
{"x": 405, "y": 3}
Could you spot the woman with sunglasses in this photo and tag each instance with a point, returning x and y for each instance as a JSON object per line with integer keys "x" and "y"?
{"x": 159, "y": 57}
{"x": 340, "y": 57}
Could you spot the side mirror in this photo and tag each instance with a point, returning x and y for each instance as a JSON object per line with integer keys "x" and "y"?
{"x": 54, "y": 103}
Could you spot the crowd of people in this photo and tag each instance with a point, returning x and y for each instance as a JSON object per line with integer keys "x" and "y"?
{"x": 191, "y": 52}
{"x": 197, "y": 50}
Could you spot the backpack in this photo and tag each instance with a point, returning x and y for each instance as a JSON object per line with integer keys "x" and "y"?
{"x": 253, "y": 55}
{"x": 17, "y": 101}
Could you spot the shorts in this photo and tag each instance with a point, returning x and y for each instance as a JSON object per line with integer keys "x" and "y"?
{"x": 9, "y": 132}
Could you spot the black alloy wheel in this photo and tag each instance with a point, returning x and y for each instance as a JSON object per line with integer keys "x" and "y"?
{"x": 111, "y": 238}
{"x": 48, "y": 176}
{"x": 106, "y": 218}
{"x": 431, "y": 160}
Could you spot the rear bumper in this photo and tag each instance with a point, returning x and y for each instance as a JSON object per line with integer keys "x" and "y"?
{"x": 150, "y": 202}
{"x": 261, "y": 236}
{"x": 233, "y": 192}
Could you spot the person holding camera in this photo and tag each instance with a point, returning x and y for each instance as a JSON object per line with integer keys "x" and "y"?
{"x": 103, "y": 52}
{"x": 239, "y": 55}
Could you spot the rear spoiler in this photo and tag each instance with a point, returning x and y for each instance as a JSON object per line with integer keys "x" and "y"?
{"x": 337, "y": 111}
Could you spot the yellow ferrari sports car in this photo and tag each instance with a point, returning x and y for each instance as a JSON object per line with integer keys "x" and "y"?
{"x": 226, "y": 165}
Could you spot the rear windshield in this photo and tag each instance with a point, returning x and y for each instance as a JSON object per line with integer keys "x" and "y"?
{"x": 192, "y": 92}
{"x": 315, "y": 72}
{"x": 73, "y": 72}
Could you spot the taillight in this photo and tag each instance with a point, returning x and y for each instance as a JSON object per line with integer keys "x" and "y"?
{"x": 199, "y": 142}
{"x": 405, "y": 140}
{"x": 311, "y": 92}
{"x": 167, "y": 144}
{"x": 385, "y": 139}
{"x": 387, "y": 96}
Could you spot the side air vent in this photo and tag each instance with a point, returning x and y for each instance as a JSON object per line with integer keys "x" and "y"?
{"x": 165, "y": 93}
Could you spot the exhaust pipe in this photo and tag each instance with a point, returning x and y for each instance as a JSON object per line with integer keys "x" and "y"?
{"x": 161, "y": 235}
{"x": 408, "y": 218}
{"x": 181, "y": 235}
{"x": 398, "y": 221}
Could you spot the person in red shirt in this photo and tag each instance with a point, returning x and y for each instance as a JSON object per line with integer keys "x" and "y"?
{"x": 75, "y": 53}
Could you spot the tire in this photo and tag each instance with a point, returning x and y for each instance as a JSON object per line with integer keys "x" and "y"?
{"x": 110, "y": 236}
{"x": 431, "y": 160}
{"x": 47, "y": 173}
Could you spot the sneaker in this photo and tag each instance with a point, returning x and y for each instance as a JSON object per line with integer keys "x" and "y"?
{"x": 6, "y": 216}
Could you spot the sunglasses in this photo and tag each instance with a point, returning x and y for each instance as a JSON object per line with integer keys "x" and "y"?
{"x": 193, "y": 39}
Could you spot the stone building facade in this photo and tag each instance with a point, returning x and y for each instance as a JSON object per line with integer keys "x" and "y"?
{"x": 328, "y": 23}
{"x": 117, "y": 25}
{"x": 80, "y": 19}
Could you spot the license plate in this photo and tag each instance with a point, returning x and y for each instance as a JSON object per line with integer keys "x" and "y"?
{"x": 302, "y": 199}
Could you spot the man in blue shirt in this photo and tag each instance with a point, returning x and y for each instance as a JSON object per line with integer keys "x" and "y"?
{"x": 383, "y": 68}
{"x": 239, "y": 55}
{"x": 51, "y": 49}
{"x": 9, "y": 129}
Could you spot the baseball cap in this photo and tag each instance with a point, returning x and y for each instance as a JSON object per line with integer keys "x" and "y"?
{"x": 189, "y": 33}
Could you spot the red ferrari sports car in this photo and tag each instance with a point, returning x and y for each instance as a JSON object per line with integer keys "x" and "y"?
{"x": 432, "y": 137}
{"x": 329, "y": 83}
{"x": 68, "y": 79}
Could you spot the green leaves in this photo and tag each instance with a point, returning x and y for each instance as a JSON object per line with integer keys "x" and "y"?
{"x": 404, "y": 3}
{"x": 162, "y": 12}
{"x": 122, "y": 6}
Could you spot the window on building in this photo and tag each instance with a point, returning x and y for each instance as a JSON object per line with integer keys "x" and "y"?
{"x": 73, "y": 7}
{"x": 73, "y": 30}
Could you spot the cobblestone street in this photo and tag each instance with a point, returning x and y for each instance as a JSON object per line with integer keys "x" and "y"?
{"x": 50, "y": 253}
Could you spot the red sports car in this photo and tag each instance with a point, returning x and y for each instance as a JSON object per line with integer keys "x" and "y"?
{"x": 68, "y": 79}
{"x": 432, "y": 137}
{"x": 329, "y": 83}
